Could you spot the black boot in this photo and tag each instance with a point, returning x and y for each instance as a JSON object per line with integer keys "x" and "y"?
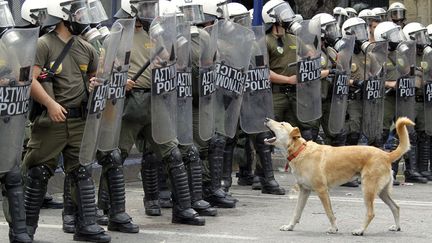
{"x": 14, "y": 196}
{"x": 51, "y": 203}
{"x": 194, "y": 170}
{"x": 395, "y": 169}
{"x": 423, "y": 155}
{"x": 35, "y": 187}
{"x": 165, "y": 200}
{"x": 245, "y": 176}
{"x": 390, "y": 146}
{"x": 182, "y": 212}
{"x": 149, "y": 177}
{"x": 411, "y": 173}
{"x": 118, "y": 219}
{"x": 213, "y": 191}
{"x": 86, "y": 227}
{"x": 69, "y": 209}
{"x": 226, "y": 180}
{"x": 268, "y": 181}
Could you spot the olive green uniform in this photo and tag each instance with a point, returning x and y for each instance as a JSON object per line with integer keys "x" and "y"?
{"x": 282, "y": 60}
{"x": 49, "y": 139}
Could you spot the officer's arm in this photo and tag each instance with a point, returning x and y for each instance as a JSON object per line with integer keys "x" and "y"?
{"x": 282, "y": 79}
{"x": 390, "y": 84}
{"x": 55, "y": 111}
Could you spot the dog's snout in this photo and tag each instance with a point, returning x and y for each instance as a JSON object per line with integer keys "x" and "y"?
{"x": 267, "y": 119}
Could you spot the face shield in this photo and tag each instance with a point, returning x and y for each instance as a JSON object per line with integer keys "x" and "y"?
{"x": 222, "y": 10}
{"x": 79, "y": 13}
{"x": 243, "y": 20}
{"x": 397, "y": 15}
{"x": 39, "y": 15}
{"x": 332, "y": 31}
{"x": 283, "y": 13}
{"x": 97, "y": 12}
{"x": 193, "y": 13}
{"x": 395, "y": 35}
{"x": 340, "y": 19}
{"x": 359, "y": 31}
{"x": 420, "y": 37}
{"x": 6, "y": 19}
{"x": 145, "y": 11}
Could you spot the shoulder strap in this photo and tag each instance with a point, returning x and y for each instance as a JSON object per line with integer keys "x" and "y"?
{"x": 60, "y": 58}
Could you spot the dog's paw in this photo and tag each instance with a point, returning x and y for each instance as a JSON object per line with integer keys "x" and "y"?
{"x": 332, "y": 230}
{"x": 394, "y": 228}
{"x": 358, "y": 232}
{"x": 289, "y": 227}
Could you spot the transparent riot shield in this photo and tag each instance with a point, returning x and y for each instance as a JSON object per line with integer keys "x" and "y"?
{"x": 98, "y": 96}
{"x": 427, "y": 88}
{"x": 17, "y": 56}
{"x": 164, "y": 89}
{"x": 184, "y": 85}
{"x": 234, "y": 46}
{"x": 374, "y": 89}
{"x": 257, "y": 98}
{"x": 309, "y": 70}
{"x": 339, "y": 102}
{"x": 207, "y": 95}
{"x": 405, "y": 85}
{"x": 112, "y": 115}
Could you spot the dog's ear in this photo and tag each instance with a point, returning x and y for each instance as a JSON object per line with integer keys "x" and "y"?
{"x": 295, "y": 133}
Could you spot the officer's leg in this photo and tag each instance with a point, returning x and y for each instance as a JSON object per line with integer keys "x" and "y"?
{"x": 69, "y": 207}
{"x": 149, "y": 177}
{"x": 164, "y": 191}
{"x": 411, "y": 173}
{"x": 35, "y": 187}
{"x": 268, "y": 182}
{"x": 226, "y": 180}
{"x": 213, "y": 192}
{"x": 424, "y": 154}
{"x": 119, "y": 220}
{"x": 245, "y": 176}
{"x": 103, "y": 202}
{"x": 194, "y": 169}
{"x": 83, "y": 191}
{"x": 13, "y": 206}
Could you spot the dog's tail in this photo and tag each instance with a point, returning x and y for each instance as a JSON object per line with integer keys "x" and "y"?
{"x": 404, "y": 142}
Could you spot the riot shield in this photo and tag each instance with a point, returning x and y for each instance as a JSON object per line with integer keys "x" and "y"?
{"x": 257, "y": 98}
{"x": 184, "y": 85}
{"x": 339, "y": 102}
{"x": 309, "y": 70}
{"x": 427, "y": 88}
{"x": 112, "y": 115}
{"x": 164, "y": 88}
{"x": 405, "y": 85}
{"x": 207, "y": 58}
{"x": 234, "y": 45}
{"x": 374, "y": 89}
{"x": 98, "y": 96}
{"x": 17, "y": 56}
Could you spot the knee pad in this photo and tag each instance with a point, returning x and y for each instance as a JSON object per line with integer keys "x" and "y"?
{"x": 13, "y": 178}
{"x": 109, "y": 159}
{"x": 217, "y": 141}
{"x": 192, "y": 154}
{"x": 41, "y": 173}
{"x": 83, "y": 172}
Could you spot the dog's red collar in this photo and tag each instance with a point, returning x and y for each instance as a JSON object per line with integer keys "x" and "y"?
{"x": 296, "y": 153}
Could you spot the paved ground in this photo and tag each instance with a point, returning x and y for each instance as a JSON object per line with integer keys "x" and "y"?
{"x": 258, "y": 217}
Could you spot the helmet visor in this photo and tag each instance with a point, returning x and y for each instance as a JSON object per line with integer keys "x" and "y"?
{"x": 243, "y": 20}
{"x": 80, "y": 12}
{"x": 193, "y": 13}
{"x": 97, "y": 12}
{"x": 340, "y": 19}
{"x": 395, "y": 35}
{"x": 284, "y": 13}
{"x": 222, "y": 10}
{"x": 145, "y": 10}
{"x": 359, "y": 31}
{"x": 420, "y": 37}
{"x": 351, "y": 14}
{"x": 6, "y": 19}
{"x": 332, "y": 31}
{"x": 397, "y": 14}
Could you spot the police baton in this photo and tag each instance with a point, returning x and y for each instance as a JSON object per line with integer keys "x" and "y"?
{"x": 146, "y": 64}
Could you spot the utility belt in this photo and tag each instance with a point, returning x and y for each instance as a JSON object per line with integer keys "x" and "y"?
{"x": 284, "y": 89}
{"x": 78, "y": 112}
{"x": 141, "y": 90}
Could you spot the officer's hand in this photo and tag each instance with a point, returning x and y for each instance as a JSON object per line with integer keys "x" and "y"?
{"x": 391, "y": 85}
{"x": 92, "y": 84}
{"x": 56, "y": 112}
{"x": 130, "y": 84}
{"x": 291, "y": 79}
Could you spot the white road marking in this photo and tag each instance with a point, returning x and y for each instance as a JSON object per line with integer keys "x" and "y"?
{"x": 163, "y": 232}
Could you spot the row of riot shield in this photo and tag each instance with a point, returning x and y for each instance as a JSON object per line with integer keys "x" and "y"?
{"x": 17, "y": 57}
{"x": 427, "y": 82}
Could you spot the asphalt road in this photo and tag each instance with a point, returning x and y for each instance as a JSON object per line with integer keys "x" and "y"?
{"x": 258, "y": 217}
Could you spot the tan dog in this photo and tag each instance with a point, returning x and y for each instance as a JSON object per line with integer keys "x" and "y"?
{"x": 320, "y": 167}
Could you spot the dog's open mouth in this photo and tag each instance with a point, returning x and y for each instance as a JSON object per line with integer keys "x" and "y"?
{"x": 272, "y": 139}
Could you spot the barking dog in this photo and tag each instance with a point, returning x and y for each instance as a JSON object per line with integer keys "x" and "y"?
{"x": 320, "y": 167}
